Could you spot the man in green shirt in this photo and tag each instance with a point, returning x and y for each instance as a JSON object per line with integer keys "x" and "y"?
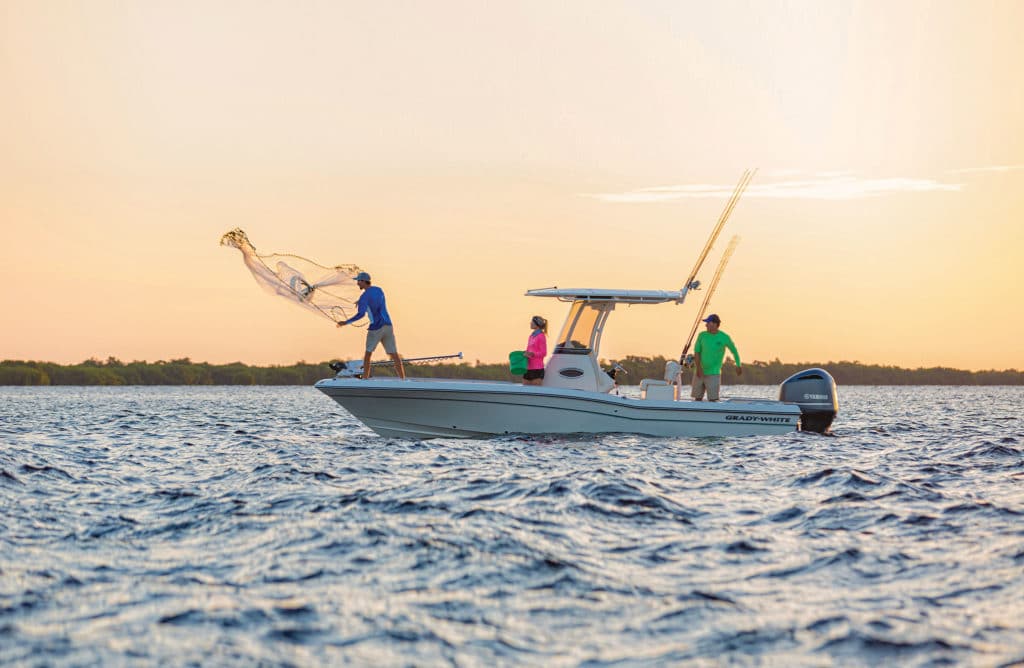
{"x": 707, "y": 359}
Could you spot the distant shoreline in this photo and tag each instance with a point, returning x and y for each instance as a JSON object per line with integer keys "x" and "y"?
{"x": 186, "y": 372}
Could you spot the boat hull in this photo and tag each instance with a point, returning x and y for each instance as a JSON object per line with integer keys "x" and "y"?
{"x": 421, "y": 409}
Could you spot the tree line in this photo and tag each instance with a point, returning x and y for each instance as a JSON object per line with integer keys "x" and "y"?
{"x": 113, "y": 371}
{"x": 845, "y": 373}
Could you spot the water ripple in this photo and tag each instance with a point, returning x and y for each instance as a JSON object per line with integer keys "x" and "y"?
{"x": 264, "y": 526}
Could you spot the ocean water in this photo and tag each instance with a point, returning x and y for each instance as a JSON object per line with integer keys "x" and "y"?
{"x": 175, "y": 526}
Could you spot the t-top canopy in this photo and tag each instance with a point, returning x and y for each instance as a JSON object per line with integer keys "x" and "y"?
{"x": 616, "y": 296}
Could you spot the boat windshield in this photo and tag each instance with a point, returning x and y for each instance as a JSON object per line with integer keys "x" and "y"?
{"x": 582, "y": 329}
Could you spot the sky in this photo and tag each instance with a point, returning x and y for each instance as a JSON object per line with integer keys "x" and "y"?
{"x": 464, "y": 152}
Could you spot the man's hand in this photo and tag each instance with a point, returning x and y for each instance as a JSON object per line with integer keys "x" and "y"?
{"x": 342, "y": 323}
{"x": 739, "y": 371}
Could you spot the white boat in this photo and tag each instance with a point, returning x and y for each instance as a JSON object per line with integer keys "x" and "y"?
{"x": 577, "y": 396}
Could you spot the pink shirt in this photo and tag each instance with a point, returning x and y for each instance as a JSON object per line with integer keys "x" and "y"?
{"x": 536, "y": 349}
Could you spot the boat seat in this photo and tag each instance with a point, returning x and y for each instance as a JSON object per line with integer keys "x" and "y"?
{"x": 657, "y": 389}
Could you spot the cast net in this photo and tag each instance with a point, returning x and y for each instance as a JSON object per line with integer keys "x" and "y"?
{"x": 330, "y": 291}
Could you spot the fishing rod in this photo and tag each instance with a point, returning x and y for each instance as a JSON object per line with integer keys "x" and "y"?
{"x": 748, "y": 176}
{"x": 685, "y": 359}
{"x": 353, "y": 368}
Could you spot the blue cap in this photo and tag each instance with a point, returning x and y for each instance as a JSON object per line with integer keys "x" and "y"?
{"x": 713, "y": 318}
{"x": 363, "y": 276}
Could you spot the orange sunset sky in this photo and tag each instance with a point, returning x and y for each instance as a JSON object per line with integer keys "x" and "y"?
{"x": 463, "y": 152}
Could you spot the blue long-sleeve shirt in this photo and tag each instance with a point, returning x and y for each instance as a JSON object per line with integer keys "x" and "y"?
{"x": 371, "y": 304}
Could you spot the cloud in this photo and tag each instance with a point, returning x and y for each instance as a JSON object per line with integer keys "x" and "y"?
{"x": 831, "y": 186}
{"x": 986, "y": 170}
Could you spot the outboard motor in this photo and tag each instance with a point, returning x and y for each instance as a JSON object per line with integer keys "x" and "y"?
{"x": 814, "y": 390}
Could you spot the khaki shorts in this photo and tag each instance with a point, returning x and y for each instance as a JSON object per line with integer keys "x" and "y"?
{"x": 706, "y": 382}
{"x": 385, "y": 335}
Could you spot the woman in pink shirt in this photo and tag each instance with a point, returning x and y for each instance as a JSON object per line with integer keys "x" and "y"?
{"x": 536, "y": 350}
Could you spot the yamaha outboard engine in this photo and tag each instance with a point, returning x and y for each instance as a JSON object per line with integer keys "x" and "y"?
{"x": 814, "y": 390}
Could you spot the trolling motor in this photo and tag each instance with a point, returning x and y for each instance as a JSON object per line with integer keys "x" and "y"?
{"x": 348, "y": 369}
{"x": 354, "y": 368}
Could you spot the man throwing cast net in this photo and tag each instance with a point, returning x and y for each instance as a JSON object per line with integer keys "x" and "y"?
{"x": 373, "y": 304}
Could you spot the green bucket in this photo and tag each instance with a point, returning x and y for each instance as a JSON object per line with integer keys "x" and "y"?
{"x": 517, "y": 362}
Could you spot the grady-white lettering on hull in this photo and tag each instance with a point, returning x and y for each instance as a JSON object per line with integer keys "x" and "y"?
{"x": 756, "y": 418}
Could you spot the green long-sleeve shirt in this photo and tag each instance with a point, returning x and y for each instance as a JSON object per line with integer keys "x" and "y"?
{"x": 711, "y": 348}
